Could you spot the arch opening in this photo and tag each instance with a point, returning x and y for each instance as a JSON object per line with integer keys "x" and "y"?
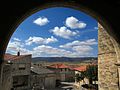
{"x": 98, "y": 19}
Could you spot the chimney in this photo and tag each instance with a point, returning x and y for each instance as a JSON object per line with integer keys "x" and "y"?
{"x": 18, "y": 53}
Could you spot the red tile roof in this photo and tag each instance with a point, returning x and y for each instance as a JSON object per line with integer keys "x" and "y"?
{"x": 81, "y": 68}
{"x": 8, "y": 57}
{"x": 58, "y": 66}
{"x": 71, "y": 67}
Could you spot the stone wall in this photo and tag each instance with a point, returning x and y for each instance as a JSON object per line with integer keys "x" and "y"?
{"x": 12, "y": 75}
{"x": 117, "y": 50}
{"x": 107, "y": 59}
{"x": 6, "y": 77}
{"x": 24, "y": 61}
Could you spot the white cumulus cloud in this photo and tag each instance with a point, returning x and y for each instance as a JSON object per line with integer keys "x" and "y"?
{"x": 74, "y": 23}
{"x": 40, "y": 40}
{"x": 74, "y": 49}
{"x": 63, "y": 32}
{"x": 16, "y": 39}
{"x": 41, "y": 21}
{"x": 82, "y": 49}
{"x": 50, "y": 51}
{"x": 96, "y": 28}
{"x": 88, "y": 42}
{"x": 15, "y": 46}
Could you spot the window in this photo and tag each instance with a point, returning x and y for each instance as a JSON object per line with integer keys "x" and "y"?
{"x": 21, "y": 66}
{"x": 65, "y": 69}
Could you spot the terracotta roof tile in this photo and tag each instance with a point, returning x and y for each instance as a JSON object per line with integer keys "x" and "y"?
{"x": 8, "y": 56}
{"x": 13, "y": 57}
{"x": 81, "y": 68}
{"x": 58, "y": 66}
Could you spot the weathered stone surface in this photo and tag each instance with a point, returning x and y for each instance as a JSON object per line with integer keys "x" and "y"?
{"x": 107, "y": 57}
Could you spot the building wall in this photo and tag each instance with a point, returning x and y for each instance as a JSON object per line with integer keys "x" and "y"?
{"x": 6, "y": 77}
{"x": 20, "y": 82}
{"x": 60, "y": 75}
{"x": 50, "y": 81}
{"x": 70, "y": 76}
{"x": 63, "y": 74}
{"x": 21, "y": 69}
{"x": 107, "y": 58}
{"x": 37, "y": 81}
{"x": 20, "y": 63}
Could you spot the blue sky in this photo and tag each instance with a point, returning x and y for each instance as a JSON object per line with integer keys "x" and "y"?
{"x": 56, "y": 32}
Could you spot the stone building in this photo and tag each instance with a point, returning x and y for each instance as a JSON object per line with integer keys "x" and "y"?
{"x": 19, "y": 71}
{"x": 6, "y": 76}
{"x": 108, "y": 61}
{"x": 63, "y": 72}
{"x": 42, "y": 78}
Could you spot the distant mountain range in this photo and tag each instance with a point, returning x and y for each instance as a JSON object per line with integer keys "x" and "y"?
{"x": 64, "y": 59}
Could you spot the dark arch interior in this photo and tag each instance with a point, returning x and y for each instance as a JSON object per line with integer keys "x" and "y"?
{"x": 107, "y": 13}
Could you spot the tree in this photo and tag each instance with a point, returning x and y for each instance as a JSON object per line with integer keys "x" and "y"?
{"x": 92, "y": 73}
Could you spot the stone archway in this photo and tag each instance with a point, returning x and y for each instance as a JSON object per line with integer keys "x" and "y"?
{"x": 112, "y": 49}
{"x": 108, "y": 57}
